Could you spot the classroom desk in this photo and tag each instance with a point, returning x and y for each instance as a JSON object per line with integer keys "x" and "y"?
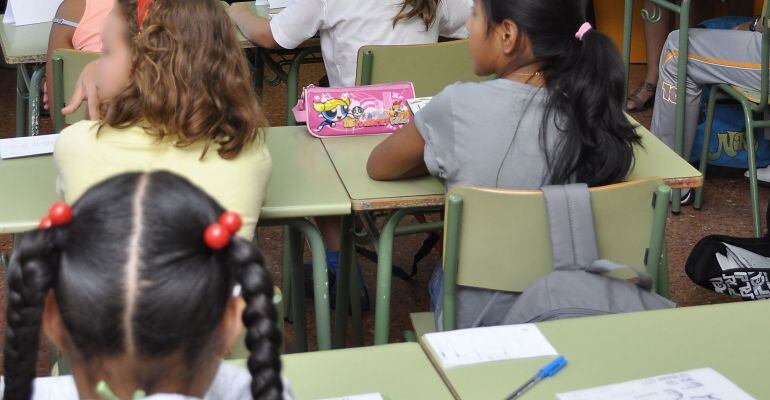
{"x": 397, "y": 371}
{"x": 22, "y": 46}
{"x": 618, "y": 348}
{"x": 350, "y": 154}
{"x": 304, "y": 184}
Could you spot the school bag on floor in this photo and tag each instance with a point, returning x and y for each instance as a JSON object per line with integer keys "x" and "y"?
{"x": 738, "y": 267}
{"x": 578, "y": 286}
{"x": 728, "y": 134}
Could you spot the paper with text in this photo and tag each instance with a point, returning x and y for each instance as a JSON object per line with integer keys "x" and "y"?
{"x": 368, "y": 396}
{"x": 496, "y": 343}
{"x": 697, "y": 384}
{"x": 279, "y": 3}
{"x": 28, "y": 12}
{"x": 27, "y": 146}
{"x": 418, "y": 103}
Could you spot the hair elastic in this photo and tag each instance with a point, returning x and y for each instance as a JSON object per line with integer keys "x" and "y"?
{"x": 141, "y": 10}
{"x": 59, "y": 214}
{"x": 582, "y": 31}
{"x": 217, "y": 235}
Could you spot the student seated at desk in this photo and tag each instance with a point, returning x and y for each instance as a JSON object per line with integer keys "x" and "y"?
{"x": 346, "y": 26}
{"x": 142, "y": 285}
{"x": 177, "y": 96}
{"x": 554, "y": 116}
{"x": 77, "y": 25}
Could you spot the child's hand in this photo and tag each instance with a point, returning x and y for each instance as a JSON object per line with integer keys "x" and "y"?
{"x": 85, "y": 90}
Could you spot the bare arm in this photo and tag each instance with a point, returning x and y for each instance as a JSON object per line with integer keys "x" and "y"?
{"x": 254, "y": 27}
{"x": 399, "y": 156}
{"x": 60, "y": 38}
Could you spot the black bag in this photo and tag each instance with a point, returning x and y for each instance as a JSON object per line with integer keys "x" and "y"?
{"x": 745, "y": 283}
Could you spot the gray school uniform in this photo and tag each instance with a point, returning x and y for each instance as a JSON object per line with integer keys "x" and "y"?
{"x": 715, "y": 56}
{"x": 485, "y": 134}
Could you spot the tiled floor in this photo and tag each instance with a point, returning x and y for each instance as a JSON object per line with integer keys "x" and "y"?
{"x": 726, "y": 211}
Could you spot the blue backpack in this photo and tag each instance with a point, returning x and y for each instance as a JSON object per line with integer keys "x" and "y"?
{"x": 728, "y": 135}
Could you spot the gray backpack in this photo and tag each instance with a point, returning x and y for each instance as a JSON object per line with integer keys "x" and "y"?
{"x": 578, "y": 286}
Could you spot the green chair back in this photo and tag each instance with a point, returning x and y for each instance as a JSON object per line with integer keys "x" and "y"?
{"x": 431, "y": 67}
{"x": 499, "y": 239}
{"x": 67, "y": 65}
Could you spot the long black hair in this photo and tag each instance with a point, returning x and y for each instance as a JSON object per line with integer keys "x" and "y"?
{"x": 132, "y": 276}
{"x": 584, "y": 80}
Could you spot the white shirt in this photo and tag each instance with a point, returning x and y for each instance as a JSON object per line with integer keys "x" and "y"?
{"x": 231, "y": 383}
{"x": 347, "y": 25}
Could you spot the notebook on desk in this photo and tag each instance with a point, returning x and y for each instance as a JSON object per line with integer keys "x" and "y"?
{"x": 28, "y": 12}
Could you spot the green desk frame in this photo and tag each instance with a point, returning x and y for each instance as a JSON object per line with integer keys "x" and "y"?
{"x": 684, "y": 28}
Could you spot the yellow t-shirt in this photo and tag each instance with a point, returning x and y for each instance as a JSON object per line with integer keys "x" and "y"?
{"x": 238, "y": 184}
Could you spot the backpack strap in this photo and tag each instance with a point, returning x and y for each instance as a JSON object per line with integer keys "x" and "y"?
{"x": 573, "y": 234}
{"x": 571, "y": 223}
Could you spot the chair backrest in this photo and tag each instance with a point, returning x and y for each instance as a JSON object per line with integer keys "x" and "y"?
{"x": 431, "y": 67}
{"x": 67, "y": 65}
{"x": 499, "y": 239}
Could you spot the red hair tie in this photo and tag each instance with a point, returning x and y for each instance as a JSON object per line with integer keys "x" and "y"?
{"x": 141, "y": 10}
{"x": 59, "y": 214}
{"x": 217, "y": 235}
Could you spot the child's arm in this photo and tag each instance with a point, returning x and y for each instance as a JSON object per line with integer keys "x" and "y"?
{"x": 399, "y": 156}
{"x": 254, "y": 27}
{"x": 61, "y": 38}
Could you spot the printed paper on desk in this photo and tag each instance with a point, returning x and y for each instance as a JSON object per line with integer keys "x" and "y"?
{"x": 27, "y": 146}
{"x": 279, "y": 3}
{"x": 28, "y": 12}
{"x": 418, "y": 103}
{"x": 698, "y": 384}
{"x": 368, "y": 396}
{"x": 496, "y": 343}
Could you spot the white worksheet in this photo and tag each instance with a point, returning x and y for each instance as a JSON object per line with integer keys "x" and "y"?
{"x": 368, "y": 396}
{"x": 279, "y": 3}
{"x": 28, "y": 12}
{"x": 27, "y": 146}
{"x": 418, "y": 103}
{"x": 698, "y": 384}
{"x": 496, "y": 343}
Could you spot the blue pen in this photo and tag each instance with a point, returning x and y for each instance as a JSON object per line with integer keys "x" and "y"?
{"x": 546, "y": 372}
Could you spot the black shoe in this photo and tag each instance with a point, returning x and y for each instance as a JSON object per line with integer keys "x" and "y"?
{"x": 687, "y": 198}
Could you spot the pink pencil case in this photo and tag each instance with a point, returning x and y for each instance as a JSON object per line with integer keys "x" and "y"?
{"x": 360, "y": 110}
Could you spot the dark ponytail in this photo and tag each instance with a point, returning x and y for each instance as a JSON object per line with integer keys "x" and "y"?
{"x": 30, "y": 276}
{"x": 263, "y": 339}
{"x": 584, "y": 79}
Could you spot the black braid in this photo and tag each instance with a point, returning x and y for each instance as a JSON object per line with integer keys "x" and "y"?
{"x": 263, "y": 339}
{"x": 31, "y": 274}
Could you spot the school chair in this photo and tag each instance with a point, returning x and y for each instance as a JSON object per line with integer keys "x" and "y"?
{"x": 67, "y": 65}
{"x": 60, "y": 364}
{"x": 754, "y": 104}
{"x": 499, "y": 239}
{"x": 431, "y": 67}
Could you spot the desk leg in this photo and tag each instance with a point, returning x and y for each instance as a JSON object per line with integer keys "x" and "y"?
{"x": 347, "y": 261}
{"x": 320, "y": 281}
{"x": 259, "y": 72}
{"x": 21, "y": 91}
{"x": 287, "y": 267}
{"x": 628, "y": 20}
{"x": 384, "y": 276}
{"x": 294, "y": 246}
{"x": 681, "y": 92}
{"x": 34, "y": 99}
{"x": 292, "y": 84}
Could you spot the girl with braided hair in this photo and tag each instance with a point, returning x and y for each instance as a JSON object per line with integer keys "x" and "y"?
{"x": 142, "y": 284}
